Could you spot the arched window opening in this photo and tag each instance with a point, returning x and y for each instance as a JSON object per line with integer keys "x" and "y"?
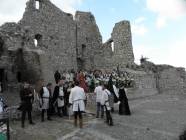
{"x": 112, "y": 46}
{"x": 37, "y": 40}
{"x": 37, "y": 4}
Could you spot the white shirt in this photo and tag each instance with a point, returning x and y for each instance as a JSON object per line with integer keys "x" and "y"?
{"x": 67, "y": 76}
{"x": 99, "y": 92}
{"x": 60, "y": 102}
{"x": 61, "y": 93}
{"x": 77, "y": 97}
{"x": 46, "y": 93}
{"x": 105, "y": 99}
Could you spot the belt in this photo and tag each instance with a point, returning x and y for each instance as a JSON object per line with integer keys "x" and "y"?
{"x": 107, "y": 101}
{"x": 46, "y": 97}
{"x": 77, "y": 100}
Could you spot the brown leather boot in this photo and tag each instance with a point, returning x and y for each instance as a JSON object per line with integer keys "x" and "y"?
{"x": 80, "y": 123}
{"x": 75, "y": 122}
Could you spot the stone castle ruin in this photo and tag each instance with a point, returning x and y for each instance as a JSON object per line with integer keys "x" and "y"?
{"x": 47, "y": 39}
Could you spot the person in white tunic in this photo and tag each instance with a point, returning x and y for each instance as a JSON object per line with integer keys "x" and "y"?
{"x": 105, "y": 101}
{"x": 45, "y": 95}
{"x": 58, "y": 97}
{"x": 77, "y": 99}
{"x": 99, "y": 92}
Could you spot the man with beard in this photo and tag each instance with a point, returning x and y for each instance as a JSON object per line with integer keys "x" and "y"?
{"x": 58, "y": 98}
{"x": 27, "y": 98}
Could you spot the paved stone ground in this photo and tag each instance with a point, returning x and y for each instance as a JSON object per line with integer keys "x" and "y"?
{"x": 157, "y": 117}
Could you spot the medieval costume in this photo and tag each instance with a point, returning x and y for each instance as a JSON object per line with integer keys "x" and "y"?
{"x": 105, "y": 101}
{"x": 26, "y": 104}
{"x": 116, "y": 94}
{"x": 82, "y": 82}
{"x": 59, "y": 100}
{"x": 57, "y": 76}
{"x": 69, "y": 108}
{"x": 77, "y": 98}
{"x": 113, "y": 97}
{"x": 123, "y": 106}
{"x": 45, "y": 97}
{"x": 99, "y": 93}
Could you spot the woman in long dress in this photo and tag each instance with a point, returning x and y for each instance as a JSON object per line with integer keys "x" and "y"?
{"x": 82, "y": 82}
{"x": 123, "y": 106}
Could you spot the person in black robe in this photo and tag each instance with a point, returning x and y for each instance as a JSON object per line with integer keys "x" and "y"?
{"x": 27, "y": 98}
{"x": 57, "y": 76}
{"x": 123, "y": 106}
{"x": 61, "y": 110}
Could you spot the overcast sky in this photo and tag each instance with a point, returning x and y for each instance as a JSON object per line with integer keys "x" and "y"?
{"x": 158, "y": 26}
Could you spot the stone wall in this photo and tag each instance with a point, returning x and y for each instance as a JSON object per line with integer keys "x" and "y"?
{"x": 145, "y": 82}
{"x": 169, "y": 79}
{"x": 59, "y": 42}
{"x": 47, "y": 39}
{"x": 55, "y": 32}
{"x": 122, "y": 52}
{"x": 172, "y": 81}
{"x": 122, "y": 39}
{"x": 89, "y": 41}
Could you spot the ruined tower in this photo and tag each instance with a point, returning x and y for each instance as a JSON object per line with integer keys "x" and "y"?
{"x": 118, "y": 50}
{"x": 122, "y": 41}
{"x": 89, "y": 40}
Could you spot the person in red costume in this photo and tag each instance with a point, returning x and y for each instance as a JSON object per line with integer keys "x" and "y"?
{"x": 82, "y": 82}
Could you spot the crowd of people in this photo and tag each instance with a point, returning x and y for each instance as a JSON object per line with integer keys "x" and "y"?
{"x": 71, "y": 91}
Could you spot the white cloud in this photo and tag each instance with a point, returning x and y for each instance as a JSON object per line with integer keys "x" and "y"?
{"x": 12, "y": 10}
{"x": 161, "y": 22}
{"x": 68, "y": 6}
{"x": 140, "y": 20}
{"x": 166, "y": 10}
{"x": 138, "y": 27}
{"x": 172, "y": 53}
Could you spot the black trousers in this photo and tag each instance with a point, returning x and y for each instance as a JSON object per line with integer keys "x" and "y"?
{"x": 24, "y": 115}
{"x": 108, "y": 117}
{"x": 76, "y": 114}
{"x": 99, "y": 108}
{"x": 62, "y": 111}
{"x": 43, "y": 114}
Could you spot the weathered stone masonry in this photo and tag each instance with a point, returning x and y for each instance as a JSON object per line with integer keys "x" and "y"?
{"x": 47, "y": 39}
{"x": 63, "y": 43}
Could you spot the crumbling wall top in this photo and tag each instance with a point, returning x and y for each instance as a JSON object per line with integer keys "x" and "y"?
{"x": 85, "y": 16}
